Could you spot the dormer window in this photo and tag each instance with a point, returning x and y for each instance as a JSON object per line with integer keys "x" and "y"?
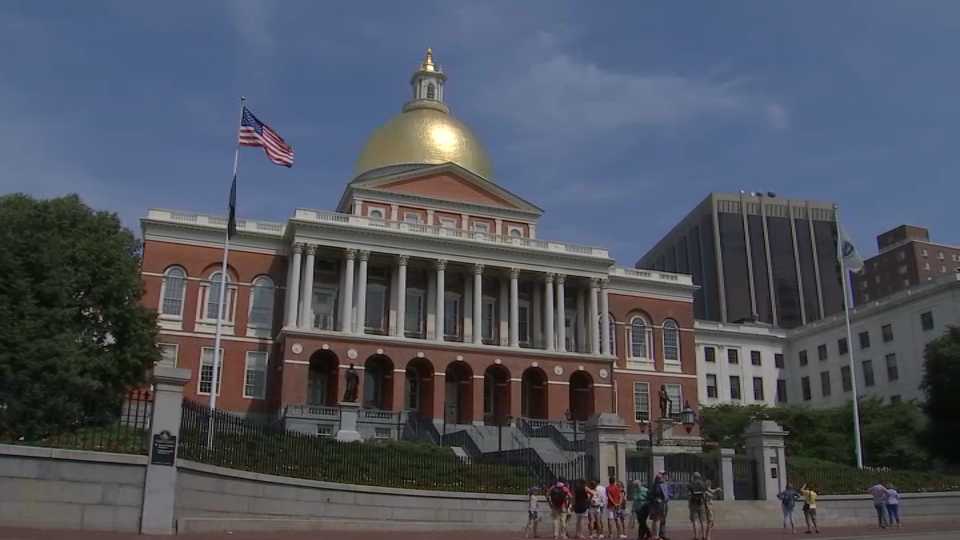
{"x": 376, "y": 213}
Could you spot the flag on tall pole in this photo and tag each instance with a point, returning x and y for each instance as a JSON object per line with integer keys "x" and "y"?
{"x": 253, "y": 132}
{"x": 850, "y": 259}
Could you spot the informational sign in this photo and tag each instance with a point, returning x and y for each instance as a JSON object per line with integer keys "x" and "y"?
{"x": 164, "y": 450}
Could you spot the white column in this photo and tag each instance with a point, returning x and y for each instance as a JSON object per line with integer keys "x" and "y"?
{"x": 514, "y": 307}
{"x": 439, "y": 296}
{"x": 346, "y": 294}
{"x": 478, "y": 303}
{"x": 293, "y": 285}
{"x": 358, "y": 207}
{"x": 561, "y": 314}
{"x": 593, "y": 319}
{"x": 306, "y": 303}
{"x": 401, "y": 295}
{"x": 498, "y": 226}
{"x": 550, "y": 343}
{"x": 361, "y": 320}
{"x": 430, "y": 217}
{"x": 604, "y": 318}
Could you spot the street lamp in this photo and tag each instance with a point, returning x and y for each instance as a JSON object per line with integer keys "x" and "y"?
{"x": 688, "y": 417}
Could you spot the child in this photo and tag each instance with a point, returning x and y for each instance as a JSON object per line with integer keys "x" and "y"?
{"x": 533, "y": 512}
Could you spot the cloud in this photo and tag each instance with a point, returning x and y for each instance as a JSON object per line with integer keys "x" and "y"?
{"x": 251, "y": 20}
{"x": 777, "y": 116}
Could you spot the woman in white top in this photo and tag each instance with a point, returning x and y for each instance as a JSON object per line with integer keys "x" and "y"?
{"x": 893, "y": 505}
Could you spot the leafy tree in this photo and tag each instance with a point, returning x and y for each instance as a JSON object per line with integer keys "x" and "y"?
{"x": 941, "y": 378}
{"x": 73, "y": 334}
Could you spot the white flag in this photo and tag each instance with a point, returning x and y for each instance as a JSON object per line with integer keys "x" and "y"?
{"x": 848, "y": 252}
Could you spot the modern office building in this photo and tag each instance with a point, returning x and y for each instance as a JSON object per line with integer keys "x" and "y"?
{"x": 756, "y": 258}
{"x": 742, "y": 364}
{"x": 906, "y": 258}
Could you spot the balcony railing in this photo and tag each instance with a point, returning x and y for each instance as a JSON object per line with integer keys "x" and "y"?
{"x": 312, "y": 411}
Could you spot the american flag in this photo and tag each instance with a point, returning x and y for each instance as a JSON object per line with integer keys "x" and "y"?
{"x": 253, "y": 132}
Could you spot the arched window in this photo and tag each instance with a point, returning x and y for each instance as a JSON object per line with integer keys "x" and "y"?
{"x": 671, "y": 341}
{"x": 212, "y": 301}
{"x": 639, "y": 338}
{"x": 515, "y": 232}
{"x": 174, "y": 288}
{"x": 376, "y": 213}
{"x": 261, "y": 302}
{"x": 431, "y": 91}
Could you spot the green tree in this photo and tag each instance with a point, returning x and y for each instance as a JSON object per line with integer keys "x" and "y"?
{"x": 941, "y": 378}
{"x": 73, "y": 334}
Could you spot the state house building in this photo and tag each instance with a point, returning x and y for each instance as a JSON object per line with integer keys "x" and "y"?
{"x": 430, "y": 279}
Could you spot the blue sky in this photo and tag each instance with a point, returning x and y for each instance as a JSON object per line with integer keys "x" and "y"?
{"x": 616, "y": 118}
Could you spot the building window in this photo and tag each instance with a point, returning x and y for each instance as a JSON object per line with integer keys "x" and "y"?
{"x": 639, "y": 338}
{"x": 778, "y": 360}
{"x": 711, "y": 385}
{"x": 733, "y": 356}
{"x": 261, "y": 302}
{"x": 168, "y": 354}
{"x": 675, "y": 394}
{"x": 412, "y": 217}
{"x": 452, "y": 329}
{"x": 926, "y": 320}
{"x": 212, "y": 300}
{"x": 515, "y": 232}
{"x": 868, "y": 373}
{"x": 448, "y": 223}
{"x": 206, "y": 371}
{"x": 414, "y": 321}
{"x": 734, "y": 387}
{"x": 926, "y": 266}
{"x": 671, "y": 341}
{"x": 255, "y": 375}
{"x": 523, "y": 322}
{"x": 805, "y": 388}
{"x": 758, "y": 389}
{"x": 887, "y": 331}
{"x": 864, "y": 339}
{"x": 375, "y": 213}
{"x": 375, "y": 317}
{"x": 825, "y": 383}
{"x": 940, "y": 255}
{"x": 781, "y": 391}
{"x": 923, "y": 252}
{"x": 431, "y": 91}
{"x": 892, "y": 372}
{"x": 174, "y": 287}
{"x": 842, "y": 346}
{"x": 822, "y": 352}
{"x": 845, "y": 380}
{"x": 755, "y": 358}
{"x": 803, "y": 358}
{"x": 641, "y": 402}
{"x": 709, "y": 354}
{"x": 488, "y": 324}
{"x": 480, "y": 227}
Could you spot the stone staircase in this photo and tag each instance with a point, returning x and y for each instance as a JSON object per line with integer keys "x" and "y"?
{"x": 488, "y": 440}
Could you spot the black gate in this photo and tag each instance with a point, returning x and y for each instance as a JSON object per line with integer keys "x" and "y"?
{"x": 638, "y": 467}
{"x": 745, "y": 478}
{"x": 680, "y": 469}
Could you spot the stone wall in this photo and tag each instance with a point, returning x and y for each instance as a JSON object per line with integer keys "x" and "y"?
{"x": 217, "y": 499}
{"x": 53, "y": 488}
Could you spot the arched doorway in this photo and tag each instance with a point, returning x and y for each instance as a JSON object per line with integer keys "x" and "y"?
{"x": 581, "y": 396}
{"x": 322, "y": 379}
{"x": 419, "y": 387}
{"x": 458, "y": 395}
{"x": 533, "y": 393}
{"x": 496, "y": 395}
{"x": 378, "y": 382}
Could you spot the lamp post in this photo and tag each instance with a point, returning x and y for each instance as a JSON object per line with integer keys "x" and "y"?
{"x": 688, "y": 417}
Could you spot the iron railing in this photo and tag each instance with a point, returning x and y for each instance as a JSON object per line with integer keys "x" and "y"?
{"x": 544, "y": 473}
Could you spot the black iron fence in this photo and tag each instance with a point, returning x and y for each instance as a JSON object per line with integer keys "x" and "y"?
{"x": 745, "y": 478}
{"x": 540, "y": 472}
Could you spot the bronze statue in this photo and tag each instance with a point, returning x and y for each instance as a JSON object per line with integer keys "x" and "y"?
{"x": 353, "y": 381}
{"x": 665, "y": 402}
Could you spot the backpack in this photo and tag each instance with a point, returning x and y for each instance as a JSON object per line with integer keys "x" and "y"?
{"x": 697, "y": 498}
{"x": 558, "y": 497}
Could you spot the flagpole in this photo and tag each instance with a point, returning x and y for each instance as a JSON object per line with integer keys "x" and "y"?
{"x": 221, "y": 308}
{"x": 847, "y": 293}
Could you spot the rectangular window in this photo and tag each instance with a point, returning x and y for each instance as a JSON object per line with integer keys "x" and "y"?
{"x": 758, "y": 389}
{"x": 412, "y": 217}
{"x": 448, "y": 223}
{"x": 676, "y": 400}
{"x": 451, "y": 317}
{"x": 845, "y": 380}
{"x": 206, "y": 371}
{"x": 168, "y": 354}
{"x": 523, "y": 324}
{"x": 711, "y": 385}
{"x": 781, "y": 391}
{"x": 825, "y": 383}
{"x": 487, "y": 324}
{"x": 868, "y": 373}
{"x": 822, "y": 352}
{"x": 755, "y": 358}
{"x": 255, "y": 375}
{"x": 864, "y": 339}
{"x": 413, "y": 320}
{"x": 375, "y": 318}
{"x": 803, "y": 358}
{"x": 892, "y": 372}
{"x": 805, "y": 388}
{"x": 733, "y": 356}
{"x": 734, "y": 387}
{"x": 324, "y": 307}
{"x": 710, "y": 354}
{"x": 887, "y": 331}
{"x": 926, "y": 320}
{"x": 641, "y": 402}
{"x": 480, "y": 227}
{"x": 842, "y": 347}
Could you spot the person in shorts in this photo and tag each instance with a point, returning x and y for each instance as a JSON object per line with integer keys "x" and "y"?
{"x": 697, "y": 503}
{"x": 712, "y": 494}
{"x": 533, "y": 512}
{"x": 559, "y": 498}
{"x": 809, "y": 507}
{"x": 581, "y": 503}
{"x": 788, "y": 500}
{"x": 614, "y": 502}
{"x": 641, "y": 508}
{"x": 598, "y": 506}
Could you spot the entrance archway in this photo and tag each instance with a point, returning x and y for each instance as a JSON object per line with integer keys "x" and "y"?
{"x": 419, "y": 387}
{"x": 322, "y": 379}
{"x": 458, "y": 394}
{"x": 533, "y": 393}
{"x": 581, "y": 396}
{"x": 378, "y": 382}
{"x": 496, "y": 395}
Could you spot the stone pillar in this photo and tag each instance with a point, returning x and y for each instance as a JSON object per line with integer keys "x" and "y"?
{"x": 604, "y": 319}
{"x": 348, "y": 422}
{"x": 593, "y": 319}
{"x": 765, "y": 443}
{"x": 476, "y": 393}
{"x": 361, "y": 318}
{"x": 441, "y": 265}
{"x": 606, "y": 443}
{"x": 516, "y": 389}
{"x": 581, "y": 321}
{"x": 346, "y": 294}
{"x": 160, "y": 484}
{"x": 399, "y": 384}
{"x": 550, "y": 342}
{"x": 401, "y": 295}
{"x": 306, "y": 302}
{"x": 659, "y": 454}
{"x": 514, "y": 308}
{"x": 561, "y": 314}
{"x": 726, "y": 473}
{"x": 293, "y": 286}
{"x": 478, "y": 303}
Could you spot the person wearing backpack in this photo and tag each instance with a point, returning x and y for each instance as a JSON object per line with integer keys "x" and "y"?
{"x": 697, "y": 500}
{"x": 559, "y": 497}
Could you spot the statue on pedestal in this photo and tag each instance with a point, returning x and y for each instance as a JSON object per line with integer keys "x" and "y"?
{"x": 353, "y": 382}
{"x": 665, "y": 402}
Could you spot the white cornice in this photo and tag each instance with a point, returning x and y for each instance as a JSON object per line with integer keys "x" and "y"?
{"x": 454, "y": 207}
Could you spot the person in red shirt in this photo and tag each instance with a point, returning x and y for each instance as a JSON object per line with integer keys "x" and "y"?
{"x": 614, "y": 504}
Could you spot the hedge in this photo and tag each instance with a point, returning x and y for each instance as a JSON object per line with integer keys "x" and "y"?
{"x": 830, "y": 478}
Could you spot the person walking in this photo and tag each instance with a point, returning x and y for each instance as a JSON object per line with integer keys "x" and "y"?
{"x": 788, "y": 502}
{"x": 641, "y": 509}
{"x": 560, "y": 498}
{"x": 598, "y": 508}
{"x": 614, "y": 500}
{"x": 711, "y": 494}
{"x": 581, "y": 503}
{"x": 893, "y": 505}
{"x": 667, "y": 495}
{"x": 533, "y": 512}
{"x": 879, "y": 493}
{"x": 697, "y": 502}
{"x": 809, "y": 507}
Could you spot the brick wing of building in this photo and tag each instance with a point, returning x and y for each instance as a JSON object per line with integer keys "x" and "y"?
{"x": 429, "y": 280}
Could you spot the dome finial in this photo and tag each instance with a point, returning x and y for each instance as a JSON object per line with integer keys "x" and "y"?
{"x": 428, "y": 64}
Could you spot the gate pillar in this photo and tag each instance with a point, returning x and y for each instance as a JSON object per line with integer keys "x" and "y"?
{"x": 607, "y": 445}
{"x": 726, "y": 473}
{"x": 765, "y": 444}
